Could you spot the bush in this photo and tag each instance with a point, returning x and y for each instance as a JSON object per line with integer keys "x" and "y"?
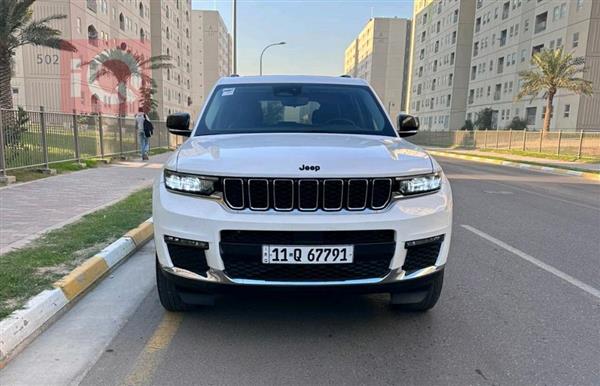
{"x": 468, "y": 125}
{"x": 517, "y": 124}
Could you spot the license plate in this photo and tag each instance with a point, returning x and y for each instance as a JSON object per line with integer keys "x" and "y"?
{"x": 294, "y": 254}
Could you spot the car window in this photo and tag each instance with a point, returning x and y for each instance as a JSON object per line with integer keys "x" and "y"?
{"x": 280, "y": 108}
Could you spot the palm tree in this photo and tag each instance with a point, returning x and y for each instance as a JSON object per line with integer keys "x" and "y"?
{"x": 17, "y": 28}
{"x": 124, "y": 65}
{"x": 554, "y": 70}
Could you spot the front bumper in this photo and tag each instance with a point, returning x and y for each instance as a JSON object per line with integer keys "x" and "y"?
{"x": 202, "y": 219}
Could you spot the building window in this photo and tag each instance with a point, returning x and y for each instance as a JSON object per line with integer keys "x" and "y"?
{"x": 92, "y": 36}
{"x": 15, "y": 91}
{"x": 579, "y": 5}
{"x": 567, "y": 112}
{"x": 575, "y": 40}
{"x": 537, "y": 49}
{"x": 503, "y": 38}
{"x": 452, "y": 59}
{"x": 530, "y": 115}
{"x": 141, "y": 8}
{"x": 78, "y": 25}
{"x": 498, "y": 92}
{"x": 505, "y": 10}
{"x": 450, "y": 79}
{"x": 455, "y": 17}
{"x": 92, "y": 5}
{"x": 500, "y": 67}
{"x": 540, "y": 22}
{"x": 122, "y": 22}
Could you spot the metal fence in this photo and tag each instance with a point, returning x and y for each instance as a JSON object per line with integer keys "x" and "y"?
{"x": 580, "y": 144}
{"x": 38, "y": 138}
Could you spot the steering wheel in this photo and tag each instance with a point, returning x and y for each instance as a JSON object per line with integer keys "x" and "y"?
{"x": 340, "y": 120}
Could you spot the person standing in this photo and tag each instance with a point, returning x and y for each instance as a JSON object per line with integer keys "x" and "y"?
{"x": 142, "y": 132}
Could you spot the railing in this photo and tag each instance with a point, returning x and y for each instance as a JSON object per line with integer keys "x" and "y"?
{"x": 580, "y": 144}
{"x": 31, "y": 139}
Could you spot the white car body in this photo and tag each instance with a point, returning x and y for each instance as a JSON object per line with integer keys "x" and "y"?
{"x": 281, "y": 155}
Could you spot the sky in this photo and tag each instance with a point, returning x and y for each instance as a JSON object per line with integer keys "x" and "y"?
{"x": 316, "y": 32}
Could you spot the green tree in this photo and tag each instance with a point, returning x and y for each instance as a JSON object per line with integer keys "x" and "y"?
{"x": 148, "y": 103}
{"x": 17, "y": 28}
{"x": 553, "y": 70}
{"x": 484, "y": 119}
{"x": 124, "y": 65}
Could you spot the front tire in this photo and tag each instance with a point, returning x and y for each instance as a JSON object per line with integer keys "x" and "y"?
{"x": 168, "y": 293}
{"x": 403, "y": 302}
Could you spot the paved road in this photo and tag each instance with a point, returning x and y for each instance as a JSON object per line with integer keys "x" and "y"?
{"x": 521, "y": 305}
{"x": 57, "y": 201}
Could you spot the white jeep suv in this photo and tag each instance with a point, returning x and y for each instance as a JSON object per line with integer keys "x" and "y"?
{"x": 299, "y": 183}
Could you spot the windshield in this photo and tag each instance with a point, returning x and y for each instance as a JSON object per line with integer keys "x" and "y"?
{"x": 293, "y": 108}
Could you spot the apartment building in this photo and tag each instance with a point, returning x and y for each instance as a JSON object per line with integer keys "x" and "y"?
{"x": 211, "y": 54}
{"x": 441, "y": 55}
{"x": 171, "y": 33}
{"x": 505, "y": 36}
{"x": 380, "y": 55}
{"x": 54, "y": 79}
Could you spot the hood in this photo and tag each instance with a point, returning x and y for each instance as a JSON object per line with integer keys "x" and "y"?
{"x": 318, "y": 155}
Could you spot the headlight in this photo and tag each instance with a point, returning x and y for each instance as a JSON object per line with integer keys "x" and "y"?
{"x": 428, "y": 183}
{"x": 190, "y": 183}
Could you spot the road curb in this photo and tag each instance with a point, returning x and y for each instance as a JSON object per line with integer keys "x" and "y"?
{"x": 521, "y": 165}
{"x": 23, "y": 325}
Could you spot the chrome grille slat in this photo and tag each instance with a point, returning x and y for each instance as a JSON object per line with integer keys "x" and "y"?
{"x": 328, "y": 190}
{"x": 275, "y": 200}
{"x": 349, "y": 190}
{"x": 374, "y": 183}
{"x": 255, "y": 184}
{"x": 228, "y": 184}
{"x": 303, "y": 196}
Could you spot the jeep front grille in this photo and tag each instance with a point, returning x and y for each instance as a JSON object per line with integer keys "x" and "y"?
{"x": 307, "y": 195}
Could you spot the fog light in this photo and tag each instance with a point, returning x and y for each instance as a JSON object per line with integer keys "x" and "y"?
{"x": 429, "y": 240}
{"x": 186, "y": 242}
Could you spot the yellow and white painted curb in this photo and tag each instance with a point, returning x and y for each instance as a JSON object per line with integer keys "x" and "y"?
{"x": 520, "y": 165}
{"x": 23, "y": 325}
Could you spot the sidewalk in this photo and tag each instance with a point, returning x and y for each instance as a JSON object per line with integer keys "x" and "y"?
{"x": 32, "y": 208}
{"x": 588, "y": 167}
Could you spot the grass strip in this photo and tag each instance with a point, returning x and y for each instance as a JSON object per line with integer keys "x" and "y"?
{"x": 500, "y": 158}
{"x": 27, "y": 271}
{"x": 549, "y": 156}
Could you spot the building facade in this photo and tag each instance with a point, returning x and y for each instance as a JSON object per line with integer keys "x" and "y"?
{"x": 380, "y": 55}
{"x": 211, "y": 53}
{"x": 505, "y": 36}
{"x": 54, "y": 79}
{"x": 441, "y": 53}
{"x": 467, "y": 55}
{"x": 171, "y": 26}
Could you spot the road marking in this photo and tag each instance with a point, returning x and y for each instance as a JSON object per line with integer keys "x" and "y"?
{"x": 548, "y": 268}
{"x": 148, "y": 360}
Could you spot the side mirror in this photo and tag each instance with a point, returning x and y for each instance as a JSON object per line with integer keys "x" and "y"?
{"x": 407, "y": 125}
{"x": 179, "y": 124}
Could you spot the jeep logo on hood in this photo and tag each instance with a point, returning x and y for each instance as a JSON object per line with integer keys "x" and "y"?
{"x": 312, "y": 168}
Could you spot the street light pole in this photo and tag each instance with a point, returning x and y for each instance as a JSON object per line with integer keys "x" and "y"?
{"x": 263, "y": 52}
{"x": 234, "y": 30}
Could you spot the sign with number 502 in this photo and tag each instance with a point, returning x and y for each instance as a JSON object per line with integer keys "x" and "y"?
{"x": 47, "y": 59}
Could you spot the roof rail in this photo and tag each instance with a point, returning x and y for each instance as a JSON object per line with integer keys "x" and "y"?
{"x": 234, "y": 76}
{"x": 345, "y": 76}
